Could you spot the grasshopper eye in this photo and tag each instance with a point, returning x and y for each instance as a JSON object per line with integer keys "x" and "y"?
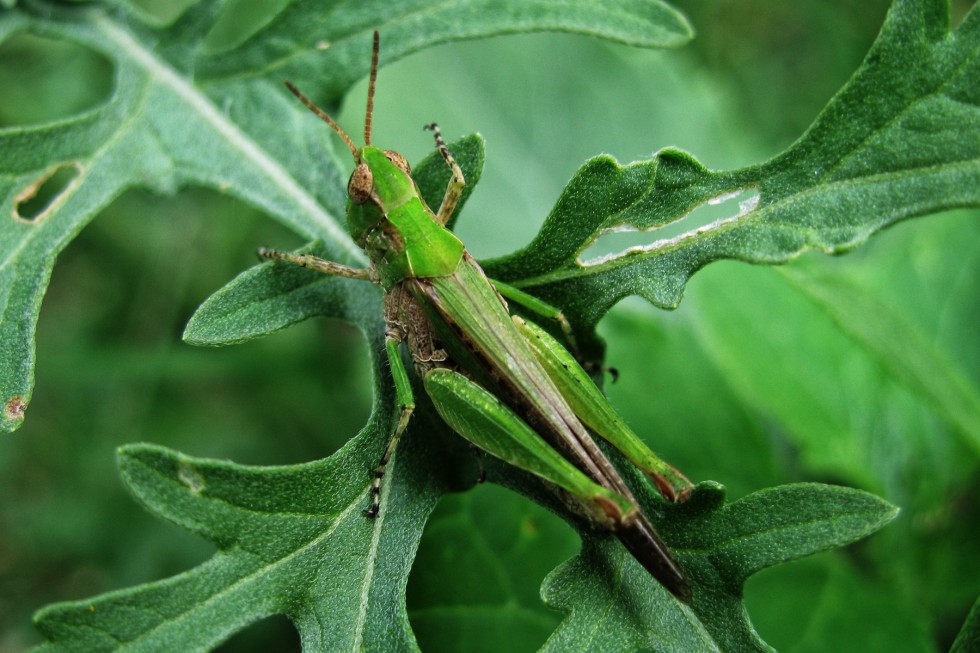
{"x": 400, "y": 162}
{"x": 361, "y": 184}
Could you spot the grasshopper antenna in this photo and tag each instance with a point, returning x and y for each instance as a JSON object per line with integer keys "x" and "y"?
{"x": 370, "y": 95}
{"x": 322, "y": 115}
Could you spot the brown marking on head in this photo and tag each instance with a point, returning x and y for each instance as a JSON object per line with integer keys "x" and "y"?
{"x": 361, "y": 184}
{"x": 400, "y": 161}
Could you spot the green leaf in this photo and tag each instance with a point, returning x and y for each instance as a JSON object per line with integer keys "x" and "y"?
{"x": 497, "y": 561}
{"x": 182, "y": 115}
{"x": 720, "y": 547}
{"x": 290, "y": 540}
{"x": 898, "y": 141}
{"x": 969, "y": 638}
{"x": 281, "y": 533}
{"x": 270, "y": 297}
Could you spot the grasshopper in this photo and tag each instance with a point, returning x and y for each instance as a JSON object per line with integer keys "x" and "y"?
{"x": 503, "y": 383}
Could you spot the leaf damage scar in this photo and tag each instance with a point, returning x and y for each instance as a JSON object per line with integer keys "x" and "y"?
{"x": 15, "y": 408}
{"x": 708, "y": 216}
{"x": 45, "y": 194}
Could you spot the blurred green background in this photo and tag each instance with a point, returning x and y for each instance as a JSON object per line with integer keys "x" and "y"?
{"x": 749, "y": 382}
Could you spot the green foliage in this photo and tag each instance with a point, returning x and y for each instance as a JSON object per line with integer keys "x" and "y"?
{"x": 195, "y": 102}
{"x": 898, "y": 137}
{"x": 158, "y": 123}
{"x": 969, "y": 638}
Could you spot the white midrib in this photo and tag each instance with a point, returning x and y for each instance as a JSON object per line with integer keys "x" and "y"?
{"x": 164, "y": 75}
{"x": 242, "y": 582}
{"x": 357, "y": 641}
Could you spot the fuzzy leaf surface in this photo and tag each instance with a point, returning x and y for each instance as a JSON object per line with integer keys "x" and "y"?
{"x": 286, "y": 537}
{"x": 899, "y": 140}
{"x": 182, "y": 113}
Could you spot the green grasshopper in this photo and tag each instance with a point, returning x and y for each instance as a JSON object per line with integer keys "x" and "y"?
{"x": 504, "y": 384}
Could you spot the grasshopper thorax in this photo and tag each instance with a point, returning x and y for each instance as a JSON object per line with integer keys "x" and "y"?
{"x": 388, "y": 219}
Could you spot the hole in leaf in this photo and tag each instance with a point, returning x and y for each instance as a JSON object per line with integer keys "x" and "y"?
{"x": 47, "y": 79}
{"x": 50, "y": 189}
{"x": 274, "y": 633}
{"x": 624, "y": 239}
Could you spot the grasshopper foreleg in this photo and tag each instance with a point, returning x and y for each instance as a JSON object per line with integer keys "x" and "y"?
{"x": 455, "y": 187}
{"x": 319, "y": 264}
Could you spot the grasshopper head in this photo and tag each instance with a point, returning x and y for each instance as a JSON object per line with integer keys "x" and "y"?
{"x": 381, "y": 179}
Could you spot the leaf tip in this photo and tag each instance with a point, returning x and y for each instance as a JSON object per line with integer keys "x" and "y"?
{"x": 134, "y": 459}
{"x": 705, "y": 497}
{"x": 890, "y": 511}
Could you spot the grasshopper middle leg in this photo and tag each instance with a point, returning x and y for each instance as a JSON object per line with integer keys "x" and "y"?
{"x": 406, "y": 406}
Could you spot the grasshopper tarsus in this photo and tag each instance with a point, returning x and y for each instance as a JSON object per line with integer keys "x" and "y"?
{"x": 375, "y": 507}
{"x": 595, "y": 369}
{"x": 405, "y": 414}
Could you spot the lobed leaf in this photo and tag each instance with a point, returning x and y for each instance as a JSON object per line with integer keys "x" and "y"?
{"x": 895, "y": 143}
{"x": 291, "y": 540}
{"x": 720, "y": 546}
{"x": 182, "y": 114}
{"x": 898, "y": 141}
